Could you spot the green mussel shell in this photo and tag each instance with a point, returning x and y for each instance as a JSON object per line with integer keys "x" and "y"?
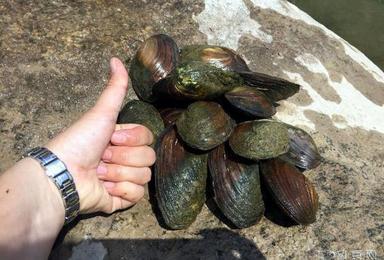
{"x": 180, "y": 180}
{"x": 140, "y": 112}
{"x": 204, "y": 125}
{"x": 197, "y": 81}
{"x": 260, "y": 139}
{"x": 224, "y": 58}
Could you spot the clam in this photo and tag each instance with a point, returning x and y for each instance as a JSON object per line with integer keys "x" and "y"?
{"x": 197, "y": 80}
{"x": 251, "y": 102}
{"x": 236, "y": 186}
{"x": 224, "y": 58}
{"x": 204, "y": 125}
{"x": 261, "y": 139}
{"x": 139, "y": 112}
{"x": 291, "y": 190}
{"x": 302, "y": 149}
{"x": 155, "y": 59}
{"x": 180, "y": 180}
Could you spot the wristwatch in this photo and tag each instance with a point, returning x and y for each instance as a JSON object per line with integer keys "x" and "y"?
{"x": 56, "y": 170}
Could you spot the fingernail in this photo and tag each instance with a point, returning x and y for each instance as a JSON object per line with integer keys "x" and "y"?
{"x": 119, "y": 137}
{"x": 114, "y": 65}
{"x": 107, "y": 155}
{"x": 101, "y": 169}
{"x": 109, "y": 185}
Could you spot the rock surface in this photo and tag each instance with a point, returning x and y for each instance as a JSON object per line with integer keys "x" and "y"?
{"x": 53, "y": 64}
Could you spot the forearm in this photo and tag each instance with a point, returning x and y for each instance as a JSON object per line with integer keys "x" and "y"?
{"x": 31, "y": 212}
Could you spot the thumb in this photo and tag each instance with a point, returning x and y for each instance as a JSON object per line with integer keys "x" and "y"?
{"x": 112, "y": 97}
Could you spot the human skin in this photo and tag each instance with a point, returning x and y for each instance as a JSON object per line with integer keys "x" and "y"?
{"x": 109, "y": 163}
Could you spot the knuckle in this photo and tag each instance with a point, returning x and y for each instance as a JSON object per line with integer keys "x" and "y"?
{"x": 118, "y": 172}
{"x": 126, "y": 155}
{"x": 147, "y": 175}
{"x": 136, "y": 194}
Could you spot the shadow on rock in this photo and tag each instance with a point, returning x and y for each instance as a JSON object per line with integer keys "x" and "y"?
{"x": 212, "y": 244}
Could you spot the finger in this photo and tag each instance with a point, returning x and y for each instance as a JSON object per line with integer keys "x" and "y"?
{"x": 119, "y": 203}
{"x": 125, "y": 190}
{"x": 118, "y": 173}
{"x": 113, "y": 95}
{"x": 137, "y": 136}
{"x": 136, "y": 156}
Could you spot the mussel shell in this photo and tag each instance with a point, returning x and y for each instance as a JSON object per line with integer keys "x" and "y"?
{"x": 204, "y": 125}
{"x": 251, "y": 101}
{"x": 170, "y": 115}
{"x": 180, "y": 181}
{"x": 292, "y": 191}
{"x": 220, "y": 57}
{"x": 224, "y": 58}
{"x": 273, "y": 87}
{"x": 197, "y": 80}
{"x": 155, "y": 59}
{"x": 236, "y": 186}
{"x": 140, "y": 112}
{"x": 261, "y": 139}
{"x": 302, "y": 149}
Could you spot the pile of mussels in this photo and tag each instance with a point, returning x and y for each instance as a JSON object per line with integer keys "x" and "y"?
{"x": 211, "y": 117}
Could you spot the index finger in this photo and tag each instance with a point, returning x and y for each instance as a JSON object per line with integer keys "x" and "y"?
{"x": 131, "y": 135}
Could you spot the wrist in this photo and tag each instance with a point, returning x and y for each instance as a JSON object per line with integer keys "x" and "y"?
{"x": 35, "y": 205}
{"x": 59, "y": 175}
{"x": 49, "y": 204}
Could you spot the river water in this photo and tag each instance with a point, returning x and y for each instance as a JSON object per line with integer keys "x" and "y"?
{"x": 360, "y": 22}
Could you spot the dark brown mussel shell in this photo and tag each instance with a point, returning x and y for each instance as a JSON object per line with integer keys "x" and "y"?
{"x": 204, "y": 125}
{"x": 196, "y": 80}
{"x": 170, "y": 115}
{"x": 273, "y": 87}
{"x": 291, "y": 190}
{"x": 236, "y": 186}
{"x": 251, "y": 102}
{"x": 140, "y": 112}
{"x": 260, "y": 139}
{"x": 180, "y": 181}
{"x": 220, "y": 57}
{"x": 302, "y": 149}
{"x": 156, "y": 57}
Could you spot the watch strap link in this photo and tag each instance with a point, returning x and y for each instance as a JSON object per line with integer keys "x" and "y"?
{"x": 56, "y": 170}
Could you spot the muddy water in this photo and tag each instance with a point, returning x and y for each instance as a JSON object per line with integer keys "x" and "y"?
{"x": 360, "y": 22}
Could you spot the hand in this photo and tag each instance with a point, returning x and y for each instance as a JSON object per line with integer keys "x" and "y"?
{"x": 109, "y": 162}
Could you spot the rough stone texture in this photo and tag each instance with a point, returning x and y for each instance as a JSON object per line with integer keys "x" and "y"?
{"x": 53, "y": 64}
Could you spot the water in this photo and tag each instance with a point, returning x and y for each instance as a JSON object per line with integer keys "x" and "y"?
{"x": 360, "y": 22}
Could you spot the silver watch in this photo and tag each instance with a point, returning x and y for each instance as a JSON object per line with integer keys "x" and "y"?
{"x": 56, "y": 170}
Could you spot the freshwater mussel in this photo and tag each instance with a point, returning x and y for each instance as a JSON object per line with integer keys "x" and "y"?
{"x": 236, "y": 186}
{"x": 180, "y": 180}
{"x": 202, "y": 92}
{"x": 204, "y": 125}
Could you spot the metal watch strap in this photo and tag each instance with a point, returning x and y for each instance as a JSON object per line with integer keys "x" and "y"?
{"x": 56, "y": 170}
